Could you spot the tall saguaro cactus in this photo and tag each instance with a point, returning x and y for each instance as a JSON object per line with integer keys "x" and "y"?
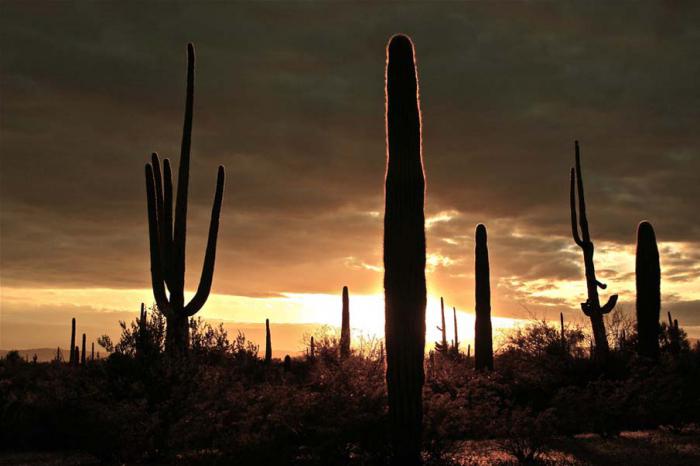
{"x": 483, "y": 343}
{"x": 404, "y": 253}
{"x": 167, "y": 241}
{"x": 591, "y": 307}
{"x": 345, "y": 325}
{"x": 268, "y": 342}
{"x": 648, "y": 280}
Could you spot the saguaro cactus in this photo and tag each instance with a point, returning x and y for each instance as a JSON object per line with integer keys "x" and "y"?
{"x": 92, "y": 352}
{"x": 404, "y": 253}
{"x": 442, "y": 346}
{"x": 268, "y": 342}
{"x": 71, "y": 357}
{"x": 83, "y": 353}
{"x": 591, "y": 307}
{"x": 345, "y": 326}
{"x": 483, "y": 343}
{"x": 77, "y": 355}
{"x": 167, "y": 243}
{"x": 648, "y": 281}
{"x": 562, "y": 334}
{"x": 312, "y": 349}
{"x": 455, "y": 346}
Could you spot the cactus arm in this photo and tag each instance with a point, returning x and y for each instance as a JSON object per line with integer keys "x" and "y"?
{"x": 601, "y": 285}
{"x": 156, "y": 266}
{"x": 612, "y": 300}
{"x": 210, "y": 255}
{"x": 166, "y": 225}
{"x": 183, "y": 176}
{"x": 572, "y": 202}
{"x": 583, "y": 220}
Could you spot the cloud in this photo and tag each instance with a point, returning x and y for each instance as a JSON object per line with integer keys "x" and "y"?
{"x": 296, "y": 116}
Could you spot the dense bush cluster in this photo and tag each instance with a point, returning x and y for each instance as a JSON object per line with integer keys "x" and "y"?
{"x": 223, "y": 405}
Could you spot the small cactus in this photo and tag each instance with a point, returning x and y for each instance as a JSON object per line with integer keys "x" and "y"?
{"x": 71, "y": 358}
{"x": 83, "y": 352}
{"x": 268, "y": 342}
{"x": 345, "y": 326}
{"x": 442, "y": 346}
{"x": 312, "y": 349}
{"x": 287, "y": 363}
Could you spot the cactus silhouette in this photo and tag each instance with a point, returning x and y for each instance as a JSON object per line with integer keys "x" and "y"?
{"x": 71, "y": 357}
{"x": 92, "y": 351}
{"x": 83, "y": 352}
{"x": 442, "y": 346}
{"x": 404, "y": 253}
{"x": 469, "y": 350}
{"x": 673, "y": 335}
{"x": 345, "y": 326}
{"x": 268, "y": 342}
{"x": 77, "y": 355}
{"x": 312, "y": 349}
{"x": 287, "y": 363}
{"x": 483, "y": 344}
{"x": 167, "y": 242}
{"x": 591, "y": 307}
{"x": 561, "y": 329}
{"x": 455, "y": 345}
{"x": 648, "y": 282}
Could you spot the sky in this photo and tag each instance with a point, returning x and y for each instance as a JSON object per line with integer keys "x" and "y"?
{"x": 290, "y": 98}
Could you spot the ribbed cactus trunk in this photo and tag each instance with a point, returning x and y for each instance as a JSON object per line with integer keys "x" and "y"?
{"x": 167, "y": 233}
{"x": 648, "y": 281}
{"x": 483, "y": 343}
{"x": 345, "y": 325}
{"x": 268, "y": 342}
{"x": 404, "y": 254}
{"x": 591, "y": 307}
{"x": 71, "y": 357}
{"x": 83, "y": 352}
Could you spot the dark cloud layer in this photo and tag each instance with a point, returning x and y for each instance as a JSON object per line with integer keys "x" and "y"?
{"x": 290, "y": 98}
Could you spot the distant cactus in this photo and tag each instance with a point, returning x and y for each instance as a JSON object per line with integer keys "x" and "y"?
{"x": 561, "y": 325}
{"x": 287, "y": 363}
{"x": 345, "y": 327}
{"x": 312, "y": 349}
{"x": 648, "y": 281}
{"x": 455, "y": 345}
{"x": 483, "y": 343}
{"x": 591, "y": 307}
{"x": 71, "y": 358}
{"x": 469, "y": 351}
{"x": 142, "y": 336}
{"x": 83, "y": 352}
{"x": 674, "y": 335}
{"x": 92, "y": 352}
{"x": 76, "y": 351}
{"x": 167, "y": 243}
{"x": 268, "y": 342}
{"x": 404, "y": 254}
{"x": 442, "y": 346}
